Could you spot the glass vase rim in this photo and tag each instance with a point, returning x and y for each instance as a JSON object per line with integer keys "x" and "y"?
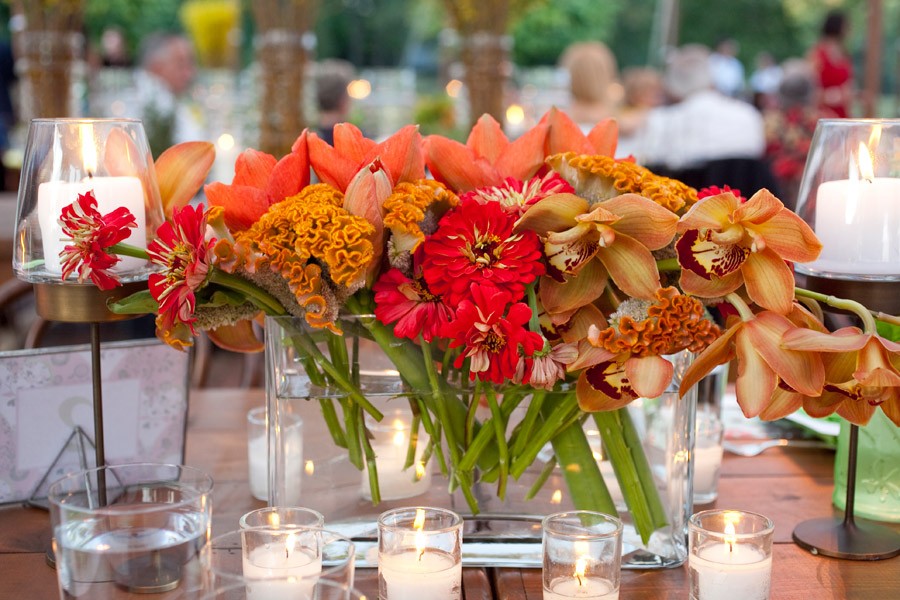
{"x": 86, "y": 120}
{"x": 201, "y": 485}
{"x": 332, "y": 534}
{"x": 547, "y": 525}
{"x": 695, "y": 520}
{"x": 456, "y": 520}
{"x": 858, "y": 121}
{"x": 272, "y": 509}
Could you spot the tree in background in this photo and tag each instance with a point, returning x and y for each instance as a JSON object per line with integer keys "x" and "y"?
{"x": 540, "y": 35}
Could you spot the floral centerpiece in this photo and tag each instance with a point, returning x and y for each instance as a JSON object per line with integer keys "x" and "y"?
{"x": 521, "y": 269}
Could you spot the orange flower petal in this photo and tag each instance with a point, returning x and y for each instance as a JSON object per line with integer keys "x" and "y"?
{"x": 487, "y": 139}
{"x": 857, "y": 412}
{"x": 351, "y": 143}
{"x": 761, "y": 207}
{"x": 643, "y": 219}
{"x": 576, "y": 328}
{"x": 239, "y": 337}
{"x": 331, "y": 166}
{"x": 847, "y": 339}
{"x": 769, "y": 281}
{"x": 243, "y": 205}
{"x": 365, "y": 197}
{"x": 564, "y": 134}
{"x": 575, "y": 292}
{"x": 716, "y": 287}
{"x": 783, "y": 403}
{"x": 401, "y": 154}
{"x": 891, "y": 409}
{"x": 802, "y": 371}
{"x": 631, "y": 267}
{"x": 180, "y": 171}
{"x": 822, "y": 406}
{"x": 717, "y": 353}
{"x": 604, "y": 137}
{"x": 790, "y": 237}
{"x": 553, "y": 213}
{"x": 712, "y": 212}
{"x": 524, "y": 157}
{"x": 649, "y": 375}
{"x": 290, "y": 175}
{"x": 603, "y": 387}
{"x": 756, "y": 381}
{"x": 253, "y": 168}
{"x": 456, "y": 165}
{"x": 589, "y": 355}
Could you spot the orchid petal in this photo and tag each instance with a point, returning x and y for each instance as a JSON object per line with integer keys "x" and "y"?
{"x": 243, "y": 205}
{"x": 180, "y": 171}
{"x": 790, "y": 237}
{"x": 575, "y": 292}
{"x": 643, "y": 219}
{"x": 239, "y": 337}
{"x": 649, "y": 375}
{"x": 604, "y": 137}
{"x": 855, "y": 411}
{"x": 588, "y": 356}
{"x": 577, "y": 327}
{"x": 610, "y": 389}
{"x": 717, "y": 353}
{"x": 802, "y": 371}
{"x": 783, "y": 403}
{"x": 631, "y": 267}
{"x": 769, "y": 281}
{"x": 891, "y": 409}
{"x": 707, "y": 258}
{"x": 822, "y": 406}
{"x": 712, "y": 212}
{"x": 761, "y": 207}
{"x": 756, "y": 381}
{"x": 716, "y": 287}
{"x": 816, "y": 341}
{"x": 554, "y": 213}
{"x": 253, "y": 168}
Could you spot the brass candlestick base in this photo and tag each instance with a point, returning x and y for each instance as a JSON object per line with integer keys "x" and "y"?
{"x": 76, "y": 303}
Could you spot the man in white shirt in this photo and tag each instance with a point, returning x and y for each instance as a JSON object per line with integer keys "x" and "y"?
{"x": 703, "y": 124}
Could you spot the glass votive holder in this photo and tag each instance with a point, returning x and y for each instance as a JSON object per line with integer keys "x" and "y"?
{"x": 130, "y": 529}
{"x": 730, "y": 555}
{"x": 258, "y": 454}
{"x": 707, "y": 457}
{"x": 282, "y": 517}
{"x": 419, "y": 554}
{"x": 320, "y": 590}
{"x": 399, "y": 474}
{"x": 278, "y": 563}
{"x": 582, "y": 555}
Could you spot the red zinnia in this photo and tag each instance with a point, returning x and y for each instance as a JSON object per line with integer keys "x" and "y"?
{"x": 182, "y": 251}
{"x": 515, "y": 196}
{"x": 409, "y": 303}
{"x": 475, "y": 244}
{"x": 492, "y": 341}
{"x": 715, "y": 190}
{"x": 92, "y": 233}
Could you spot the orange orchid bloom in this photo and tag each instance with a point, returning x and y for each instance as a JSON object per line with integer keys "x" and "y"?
{"x": 620, "y": 233}
{"x": 763, "y": 361}
{"x": 400, "y": 154}
{"x": 259, "y": 182}
{"x": 624, "y": 361}
{"x": 564, "y": 135}
{"x": 725, "y": 243}
{"x": 487, "y": 158}
{"x": 862, "y": 373}
{"x": 180, "y": 171}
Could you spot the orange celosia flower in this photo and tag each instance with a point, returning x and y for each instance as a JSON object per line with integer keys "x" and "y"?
{"x": 602, "y": 177}
{"x": 400, "y": 154}
{"x": 862, "y": 373}
{"x": 406, "y": 208}
{"x": 762, "y": 362}
{"x": 260, "y": 181}
{"x": 725, "y": 243}
{"x": 487, "y": 158}
{"x": 625, "y": 360}
{"x": 619, "y": 232}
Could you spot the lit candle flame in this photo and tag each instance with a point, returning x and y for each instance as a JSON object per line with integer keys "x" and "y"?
{"x": 580, "y": 568}
{"x": 289, "y": 544}
{"x": 88, "y": 148}
{"x": 730, "y": 536}
{"x": 418, "y": 525}
{"x": 310, "y": 467}
{"x": 866, "y": 167}
{"x": 274, "y": 520}
{"x": 420, "y": 470}
{"x": 556, "y": 498}
{"x": 399, "y": 439}
{"x": 515, "y": 114}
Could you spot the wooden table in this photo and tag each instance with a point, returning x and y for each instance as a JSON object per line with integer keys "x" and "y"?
{"x": 788, "y": 485}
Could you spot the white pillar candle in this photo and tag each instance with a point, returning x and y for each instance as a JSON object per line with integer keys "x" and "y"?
{"x": 728, "y": 571}
{"x": 417, "y": 575}
{"x": 707, "y": 462}
{"x": 591, "y": 588}
{"x": 278, "y": 571}
{"x": 257, "y": 455}
{"x": 858, "y": 223}
{"x": 111, "y": 193}
{"x": 391, "y": 444}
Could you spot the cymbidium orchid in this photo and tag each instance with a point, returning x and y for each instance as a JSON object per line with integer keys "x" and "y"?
{"x": 725, "y": 243}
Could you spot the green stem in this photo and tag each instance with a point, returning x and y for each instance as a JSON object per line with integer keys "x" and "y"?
{"x": 331, "y": 420}
{"x": 413, "y": 442}
{"x": 123, "y": 249}
{"x": 632, "y": 470}
{"x": 738, "y": 303}
{"x": 865, "y": 315}
{"x": 260, "y": 298}
{"x": 534, "y": 323}
{"x": 580, "y": 470}
{"x": 371, "y": 465}
{"x": 477, "y": 451}
{"x": 546, "y": 472}
{"x": 500, "y": 433}
{"x": 668, "y": 264}
{"x": 554, "y": 417}
{"x": 531, "y": 415}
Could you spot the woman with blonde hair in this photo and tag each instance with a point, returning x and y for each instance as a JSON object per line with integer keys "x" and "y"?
{"x": 593, "y": 82}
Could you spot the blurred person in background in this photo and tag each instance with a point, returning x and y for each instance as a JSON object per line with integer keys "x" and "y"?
{"x": 702, "y": 124}
{"x": 790, "y": 127}
{"x": 593, "y": 83}
{"x": 168, "y": 68}
{"x": 643, "y": 90}
{"x": 832, "y": 66}
{"x": 113, "y": 49}
{"x": 333, "y": 100}
{"x": 727, "y": 70}
{"x": 764, "y": 82}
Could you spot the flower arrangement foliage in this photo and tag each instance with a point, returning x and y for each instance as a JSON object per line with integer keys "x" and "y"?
{"x": 530, "y": 265}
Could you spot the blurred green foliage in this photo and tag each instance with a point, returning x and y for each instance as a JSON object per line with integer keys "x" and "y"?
{"x": 541, "y": 34}
{"x": 135, "y": 19}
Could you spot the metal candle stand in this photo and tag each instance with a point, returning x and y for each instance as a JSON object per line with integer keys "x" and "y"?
{"x": 843, "y": 537}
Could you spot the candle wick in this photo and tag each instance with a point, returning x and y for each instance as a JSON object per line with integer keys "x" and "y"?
{"x": 730, "y": 547}
{"x": 90, "y": 174}
{"x": 421, "y": 554}
{"x": 287, "y": 552}
{"x": 578, "y": 577}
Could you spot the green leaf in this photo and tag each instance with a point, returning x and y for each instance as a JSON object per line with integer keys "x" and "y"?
{"x": 221, "y": 297}
{"x": 888, "y": 331}
{"x": 139, "y": 303}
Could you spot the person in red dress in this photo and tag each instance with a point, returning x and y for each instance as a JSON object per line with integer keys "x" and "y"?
{"x": 832, "y": 65}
